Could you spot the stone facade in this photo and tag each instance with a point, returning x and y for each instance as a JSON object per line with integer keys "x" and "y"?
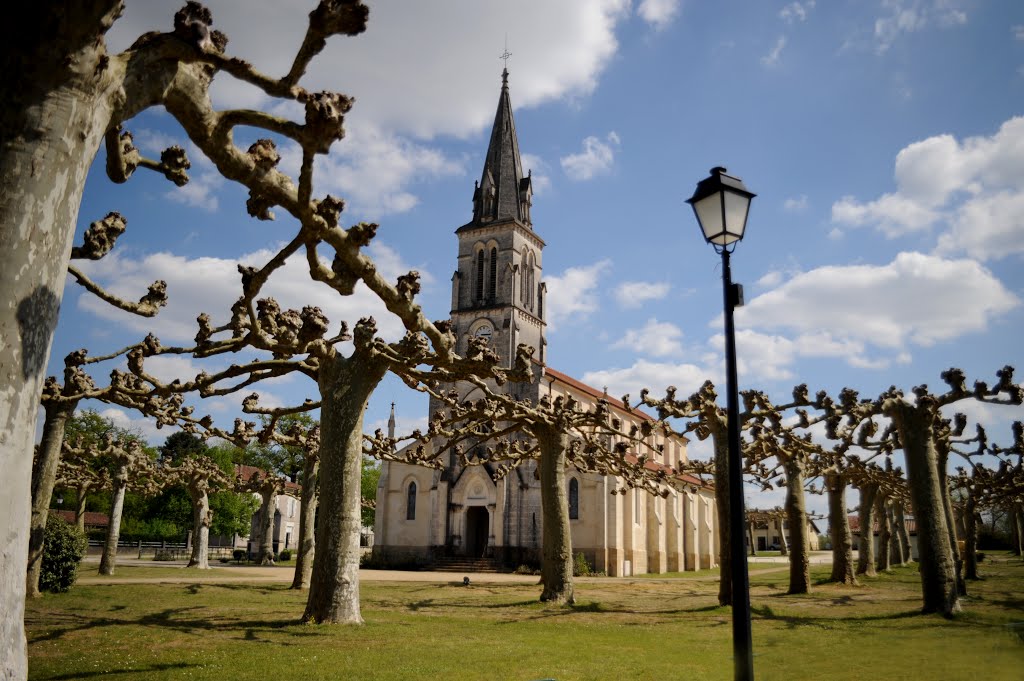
{"x": 498, "y": 293}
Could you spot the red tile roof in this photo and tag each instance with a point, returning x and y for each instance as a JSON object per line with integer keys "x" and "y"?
{"x": 854, "y": 521}
{"x": 247, "y": 472}
{"x": 593, "y": 392}
{"x": 92, "y": 519}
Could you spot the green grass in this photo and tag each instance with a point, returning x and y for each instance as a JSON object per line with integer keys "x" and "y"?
{"x": 620, "y": 629}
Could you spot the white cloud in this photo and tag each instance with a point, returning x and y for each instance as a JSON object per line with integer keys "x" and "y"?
{"x": 772, "y": 58}
{"x": 796, "y": 11}
{"x": 632, "y": 294}
{"x": 860, "y": 310}
{"x": 658, "y": 13}
{"x": 975, "y": 186}
{"x": 770, "y": 279}
{"x": 658, "y": 339}
{"x": 560, "y": 49}
{"x": 596, "y": 158}
{"x": 573, "y": 294}
{"x": 137, "y": 423}
{"x": 655, "y": 376}
{"x": 540, "y": 172}
{"x": 909, "y": 16}
{"x": 795, "y": 204}
{"x": 211, "y": 285}
{"x": 1018, "y": 32}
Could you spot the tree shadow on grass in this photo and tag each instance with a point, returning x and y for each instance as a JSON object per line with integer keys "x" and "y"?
{"x": 195, "y": 620}
{"x": 795, "y": 621}
{"x": 151, "y": 669}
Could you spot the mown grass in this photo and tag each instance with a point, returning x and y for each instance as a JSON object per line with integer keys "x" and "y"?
{"x": 619, "y": 629}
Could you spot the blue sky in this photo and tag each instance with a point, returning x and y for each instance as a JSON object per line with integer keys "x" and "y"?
{"x": 885, "y": 141}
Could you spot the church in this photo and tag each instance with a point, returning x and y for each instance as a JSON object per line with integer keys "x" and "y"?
{"x": 498, "y": 293}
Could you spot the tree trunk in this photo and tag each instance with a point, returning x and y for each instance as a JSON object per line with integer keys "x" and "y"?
{"x": 53, "y": 120}
{"x": 268, "y": 505}
{"x": 971, "y": 537}
{"x": 938, "y": 572}
{"x": 899, "y": 513}
{"x": 556, "y": 566}
{"x": 866, "y": 518}
{"x": 885, "y": 532}
{"x": 942, "y": 459}
{"x": 44, "y": 475}
{"x": 750, "y": 538}
{"x": 307, "y": 520}
{"x": 345, "y": 388}
{"x": 839, "y": 531}
{"x": 796, "y": 515}
{"x": 120, "y": 484}
{"x": 201, "y": 519}
{"x": 780, "y": 525}
{"x": 1018, "y": 523}
{"x": 897, "y": 550}
{"x": 82, "y": 491}
{"x": 721, "y": 444}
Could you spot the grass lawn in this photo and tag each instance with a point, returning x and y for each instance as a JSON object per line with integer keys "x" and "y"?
{"x": 620, "y": 629}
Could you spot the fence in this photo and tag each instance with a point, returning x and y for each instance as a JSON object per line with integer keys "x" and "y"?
{"x": 159, "y": 550}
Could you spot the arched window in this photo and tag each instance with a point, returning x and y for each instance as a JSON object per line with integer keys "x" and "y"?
{"x": 410, "y": 503}
{"x": 574, "y": 499}
{"x": 479, "y": 274}
{"x": 492, "y": 284}
{"x": 530, "y": 264}
{"x": 540, "y": 300}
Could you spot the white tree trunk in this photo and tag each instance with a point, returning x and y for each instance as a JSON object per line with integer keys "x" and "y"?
{"x": 345, "y": 388}
{"x": 201, "y": 519}
{"x": 268, "y": 505}
{"x": 109, "y": 559}
{"x": 307, "y": 519}
{"x": 866, "y": 517}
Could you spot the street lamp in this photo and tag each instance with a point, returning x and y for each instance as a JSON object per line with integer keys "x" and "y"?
{"x": 721, "y": 203}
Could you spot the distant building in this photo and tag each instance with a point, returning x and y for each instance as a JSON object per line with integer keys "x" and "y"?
{"x": 767, "y": 538}
{"x": 498, "y": 294}
{"x": 911, "y": 526}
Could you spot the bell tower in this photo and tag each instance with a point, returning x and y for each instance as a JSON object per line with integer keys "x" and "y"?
{"x": 497, "y": 290}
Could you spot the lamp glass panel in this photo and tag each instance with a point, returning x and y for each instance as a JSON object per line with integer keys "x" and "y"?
{"x": 736, "y": 206}
{"x": 709, "y": 214}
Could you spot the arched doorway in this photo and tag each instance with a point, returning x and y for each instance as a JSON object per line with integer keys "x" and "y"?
{"x": 478, "y": 523}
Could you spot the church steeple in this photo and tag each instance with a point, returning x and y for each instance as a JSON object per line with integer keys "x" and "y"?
{"x": 503, "y": 192}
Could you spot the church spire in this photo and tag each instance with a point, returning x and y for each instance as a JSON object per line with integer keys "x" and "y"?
{"x": 504, "y": 191}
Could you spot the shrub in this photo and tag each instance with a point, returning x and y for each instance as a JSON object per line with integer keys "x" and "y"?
{"x": 580, "y": 566}
{"x": 285, "y": 555}
{"x": 64, "y": 547}
{"x": 526, "y": 570}
{"x": 239, "y": 555}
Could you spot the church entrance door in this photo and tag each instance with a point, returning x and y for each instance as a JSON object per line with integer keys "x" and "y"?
{"x": 477, "y": 529}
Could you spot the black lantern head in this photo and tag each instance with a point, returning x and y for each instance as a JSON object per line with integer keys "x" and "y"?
{"x": 721, "y": 203}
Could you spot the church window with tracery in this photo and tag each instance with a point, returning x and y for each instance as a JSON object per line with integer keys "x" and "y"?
{"x": 479, "y": 274}
{"x": 410, "y": 504}
{"x": 492, "y": 284}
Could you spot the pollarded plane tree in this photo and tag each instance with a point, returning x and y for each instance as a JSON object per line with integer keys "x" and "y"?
{"x": 706, "y": 419}
{"x": 67, "y": 94}
{"x": 919, "y": 429}
{"x": 81, "y": 475}
{"x": 199, "y": 476}
{"x": 984, "y": 488}
{"x": 286, "y": 427}
{"x": 503, "y": 432}
{"x": 127, "y": 464}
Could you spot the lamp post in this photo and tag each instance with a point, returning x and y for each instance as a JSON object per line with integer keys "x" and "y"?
{"x": 721, "y": 203}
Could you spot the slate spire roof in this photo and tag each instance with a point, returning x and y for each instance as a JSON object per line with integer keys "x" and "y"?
{"x": 503, "y": 192}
